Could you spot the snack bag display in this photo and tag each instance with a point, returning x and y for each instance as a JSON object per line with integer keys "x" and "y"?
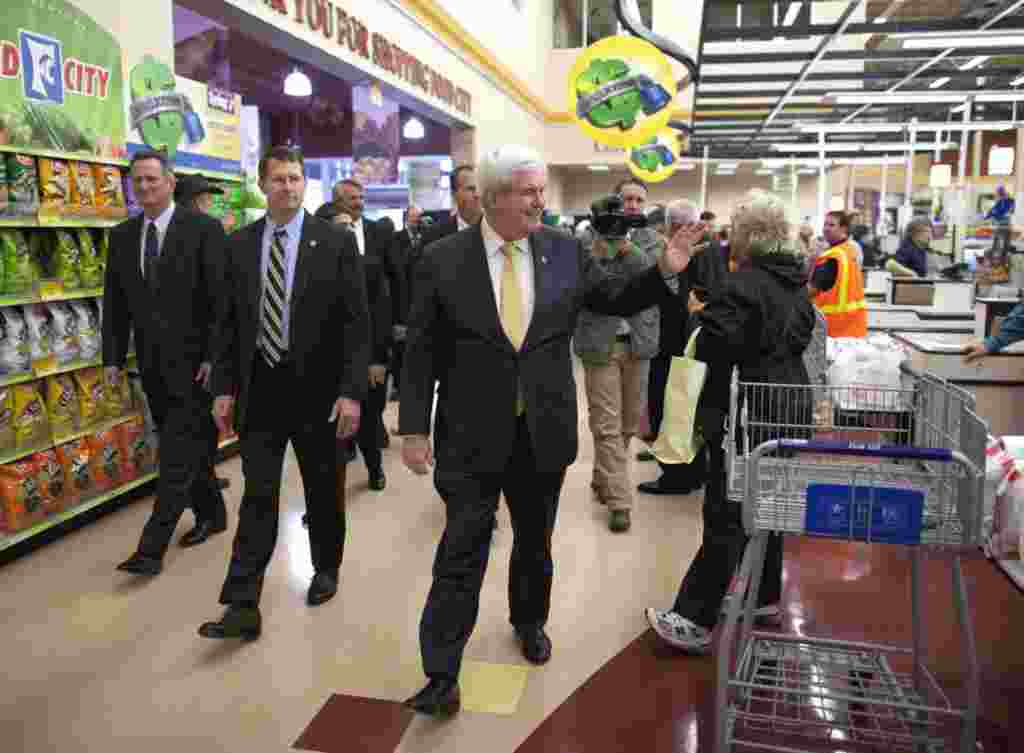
{"x": 19, "y": 270}
{"x": 90, "y": 265}
{"x": 31, "y": 426}
{"x": 89, "y": 334}
{"x": 52, "y": 484}
{"x": 15, "y": 353}
{"x": 137, "y": 450}
{"x": 54, "y": 185}
{"x": 76, "y": 459}
{"x": 62, "y": 404}
{"x": 64, "y": 262}
{"x": 107, "y": 469}
{"x": 65, "y": 333}
{"x": 6, "y": 419}
{"x": 117, "y": 397}
{"x": 4, "y": 190}
{"x": 83, "y": 189}
{"x": 40, "y": 331}
{"x": 109, "y": 190}
{"x": 22, "y": 184}
{"x": 22, "y": 499}
{"x": 91, "y": 402}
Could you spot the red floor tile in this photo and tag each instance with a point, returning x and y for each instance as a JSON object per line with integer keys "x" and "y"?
{"x": 347, "y": 723}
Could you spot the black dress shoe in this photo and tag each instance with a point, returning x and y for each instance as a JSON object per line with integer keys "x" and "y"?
{"x": 536, "y": 645}
{"x": 657, "y": 487}
{"x": 139, "y": 564}
{"x": 203, "y": 530}
{"x": 237, "y": 622}
{"x": 440, "y": 698}
{"x": 378, "y": 481}
{"x": 322, "y": 589}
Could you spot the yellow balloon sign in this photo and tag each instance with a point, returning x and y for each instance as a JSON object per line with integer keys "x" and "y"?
{"x": 621, "y": 91}
{"x": 656, "y": 160}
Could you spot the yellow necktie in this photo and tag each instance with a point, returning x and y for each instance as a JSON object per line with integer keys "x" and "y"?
{"x": 512, "y": 308}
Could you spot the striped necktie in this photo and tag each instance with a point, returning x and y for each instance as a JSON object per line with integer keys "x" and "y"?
{"x": 272, "y": 341}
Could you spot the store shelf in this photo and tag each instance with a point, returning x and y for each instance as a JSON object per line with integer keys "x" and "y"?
{"x": 74, "y": 366}
{"x": 12, "y": 456}
{"x": 10, "y": 540}
{"x": 49, "y": 293}
{"x": 57, "y": 154}
{"x": 102, "y": 426}
{"x": 33, "y": 221}
{"x": 8, "y": 381}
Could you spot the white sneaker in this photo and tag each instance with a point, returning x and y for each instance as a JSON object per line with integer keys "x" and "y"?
{"x": 766, "y": 614}
{"x": 678, "y": 631}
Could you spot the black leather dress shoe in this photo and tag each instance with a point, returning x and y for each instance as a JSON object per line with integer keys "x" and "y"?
{"x": 139, "y": 564}
{"x": 536, "y": 645}
{"x": 237, "y": 622}
{"x": 203, "y": 530}
{"x": 656, "y": 487}
{"x": 378, "y": 481}
{"x": 440, "y": 698}
{"x": 322, "y": 589}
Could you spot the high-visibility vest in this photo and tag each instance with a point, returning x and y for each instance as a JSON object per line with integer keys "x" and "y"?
{"x": 843, "y": 305}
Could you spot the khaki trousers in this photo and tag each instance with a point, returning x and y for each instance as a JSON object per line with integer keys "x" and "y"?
{"x": 615, "y": 401}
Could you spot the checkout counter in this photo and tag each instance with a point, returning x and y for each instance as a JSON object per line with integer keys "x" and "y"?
{"x": 919, "y": 304}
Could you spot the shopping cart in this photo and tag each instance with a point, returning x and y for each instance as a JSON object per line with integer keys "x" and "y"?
{"x": 895, "y": 465}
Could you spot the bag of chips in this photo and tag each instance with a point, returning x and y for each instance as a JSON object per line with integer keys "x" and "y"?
{"x": 40, "y": 331}
{"x": 54, "y": 185}
{"x": 19, "y": 271}
{"x": 52, "y": 483}
{"x": 62, "y": 405}
{"x": 117, "y": 397}
{"x": 4, "y": 190}
{"x": 107, "y": 470}
{"x": 91, "y": 402}
{"x": 31, "y": 426}
{"x": 15, "y": 353}
{"x": 89, "y": 335}
{"x": 109, "y": 191}
{"x": 138, "y": 452}
{"x": 90, "y": 265}
{"x": 22, "y": 497}
{"x": 65, "y": 333}
{"x": 6, "y": 419}
{"x": 83, "y": 189}
{"x": 65, "y": 261}
{"x": 76, "y": 458}
{"x": 22, "y": 184}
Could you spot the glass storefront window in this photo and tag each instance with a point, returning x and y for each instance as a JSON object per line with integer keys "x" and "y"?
{"x": 580, "y": 23}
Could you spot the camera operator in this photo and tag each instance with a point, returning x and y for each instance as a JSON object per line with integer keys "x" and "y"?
{"x": 616, "y": 355}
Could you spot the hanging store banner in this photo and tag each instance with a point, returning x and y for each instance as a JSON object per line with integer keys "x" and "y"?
{"x": 61, "y": 80}
{"x": 656, "y": 160}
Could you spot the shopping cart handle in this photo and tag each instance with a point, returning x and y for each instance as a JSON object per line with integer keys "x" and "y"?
{"x": 867, "y": 450}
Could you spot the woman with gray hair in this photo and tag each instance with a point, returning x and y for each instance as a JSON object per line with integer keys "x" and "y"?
{"x": 759, "y": 322}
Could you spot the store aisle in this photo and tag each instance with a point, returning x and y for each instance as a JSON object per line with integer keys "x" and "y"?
{"x": 99, "y": 661}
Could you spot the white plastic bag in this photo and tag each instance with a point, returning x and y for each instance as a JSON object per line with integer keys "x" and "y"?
{"x": 1008, "y": 516}
{"x": 869, "y": 376}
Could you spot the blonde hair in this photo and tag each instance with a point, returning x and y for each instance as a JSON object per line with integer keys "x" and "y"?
{"x": 761, "y": 225}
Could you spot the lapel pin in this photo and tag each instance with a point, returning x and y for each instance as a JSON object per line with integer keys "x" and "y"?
{"x": 312, "y": 243}
{"x": 543, "y": 260}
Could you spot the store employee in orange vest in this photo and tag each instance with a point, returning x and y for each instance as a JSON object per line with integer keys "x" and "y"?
{"x": 837, "y": 285}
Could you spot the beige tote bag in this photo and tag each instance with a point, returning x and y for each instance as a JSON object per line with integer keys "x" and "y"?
{"x": 680, "y": 440}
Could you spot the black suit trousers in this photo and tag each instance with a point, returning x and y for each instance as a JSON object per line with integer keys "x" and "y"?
{"x": 279, "y": 412}
{"x": 471, "y": 501}
{"x": 370, "y": 436}
{"x": 186, "y": 457}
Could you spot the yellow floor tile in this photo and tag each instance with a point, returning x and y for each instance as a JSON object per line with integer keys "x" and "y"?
{"x": 492, "y": 688}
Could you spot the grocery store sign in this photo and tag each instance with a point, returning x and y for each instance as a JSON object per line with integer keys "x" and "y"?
{"x": 347, "y": 31}
{"x": 46, "y": 74}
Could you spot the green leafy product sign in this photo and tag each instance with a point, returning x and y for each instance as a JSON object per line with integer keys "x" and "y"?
{"x": 62, "y": 85}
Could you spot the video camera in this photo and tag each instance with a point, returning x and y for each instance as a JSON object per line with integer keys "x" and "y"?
{"x": 609, "y": 219}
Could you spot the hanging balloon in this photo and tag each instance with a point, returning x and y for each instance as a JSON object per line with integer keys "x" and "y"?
{"x": 656, "y": 160}
{"x": 621, "y": 91}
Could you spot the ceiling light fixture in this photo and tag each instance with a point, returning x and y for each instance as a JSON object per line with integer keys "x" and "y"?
{"x": 1017, "y": 81}
{"x": 414, "y": 130}
{"x": 791, "y": 13}
{"x": 297, "y": 84}
{"x": 974, "y": 62}
{"x": 1002, "y": 125}
{"x": 598, "y": 168}
{"x": 879, "y": 146}
{"x": 939, "y": 82}
{"x": 961, "y": 40}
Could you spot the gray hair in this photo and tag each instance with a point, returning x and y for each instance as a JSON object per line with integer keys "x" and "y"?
{"x": 760, "y": 224}
{"x": 681, "y": 212}
{"x": 495, "y": 171}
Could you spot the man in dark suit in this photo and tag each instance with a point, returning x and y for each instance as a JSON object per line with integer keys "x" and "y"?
{"x": 294, "y": 348}
{"x": 467, "y": 212}
{"x": 495, "y": 309}
{"x": 163, "y": 281}
{"x": 407, "y": 243}
{"x": 376, "y": 244}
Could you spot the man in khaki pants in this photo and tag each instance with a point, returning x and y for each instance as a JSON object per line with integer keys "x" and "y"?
{"x": 616, "y": 355}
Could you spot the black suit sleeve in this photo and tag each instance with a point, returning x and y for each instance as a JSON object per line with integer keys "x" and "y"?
{"x": 356, "y": 341}
{"x": 396, "y": 269}
{"x": 213, "y": 268}
{"x": 419, "y": 373}
{"x": 117, "y": 314}
{"x": 616, "y": 295}
{"x": 224, "y": 343}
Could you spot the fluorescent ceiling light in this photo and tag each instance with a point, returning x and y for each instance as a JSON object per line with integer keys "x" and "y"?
{"x": 870, "y": 161}
{"x": 791, "y": 13}
{"x": 816, "y": 147}
{"x": 1017, "y": 81}
{"x": 764, "y": 171}
{"x": 684, "y": 166}
{"x": 1005, "y": 125}
{"x": 939, "y": 82}
{"x": 895, "y": 98}
{"x": 598, "y": 168}
{"x": 974, "y": 62}
{"x": 881, "y": 20}
{"x": 962, "y": 40}
{"x": 876, "y": 147}
{"x": 1000, "y": 97}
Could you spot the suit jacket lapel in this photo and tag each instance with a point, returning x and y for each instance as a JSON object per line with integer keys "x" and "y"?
{"x": 484, "y": 305}
{"x": 255, "y": 268}
{"x": 538, "y": 250}
{"x": 303, "y": 264}
{"x": 171, "y": 237}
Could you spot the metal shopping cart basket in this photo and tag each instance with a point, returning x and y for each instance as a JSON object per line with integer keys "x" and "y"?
{"x": 897, "y": 465}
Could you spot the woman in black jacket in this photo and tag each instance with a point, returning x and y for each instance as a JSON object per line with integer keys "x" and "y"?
{"x": 759, "y": 322}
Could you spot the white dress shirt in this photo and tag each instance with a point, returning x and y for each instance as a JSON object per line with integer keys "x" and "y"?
{"x": 460, "y": 224}
{"x": 496, "y": 263}
{"x": 291, "y": 254}
{"x": 357, "y": 228}
{"x": 161, "y": 223}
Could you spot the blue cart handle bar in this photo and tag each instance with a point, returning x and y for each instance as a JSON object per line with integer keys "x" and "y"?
{"x": 867, "y": 450}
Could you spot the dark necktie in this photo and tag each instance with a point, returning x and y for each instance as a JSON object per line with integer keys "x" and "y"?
{"x": 273, "y": 343}
{"x": 152, "y": 254}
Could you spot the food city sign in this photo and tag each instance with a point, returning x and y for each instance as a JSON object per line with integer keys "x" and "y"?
{"x": 348, "y": 31}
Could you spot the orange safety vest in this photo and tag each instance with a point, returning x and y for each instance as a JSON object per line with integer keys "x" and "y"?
{"x": 843, "y": 305}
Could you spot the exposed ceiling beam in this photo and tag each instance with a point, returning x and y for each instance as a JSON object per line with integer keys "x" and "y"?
{"x": 718, "y": 97}
{"x": 953, "y": 72}
{"x": 769, "y": 33}
{"x": 866, "y": 55}
{"x": 1004, "y": 13}
{"x": 826, "y": 42}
